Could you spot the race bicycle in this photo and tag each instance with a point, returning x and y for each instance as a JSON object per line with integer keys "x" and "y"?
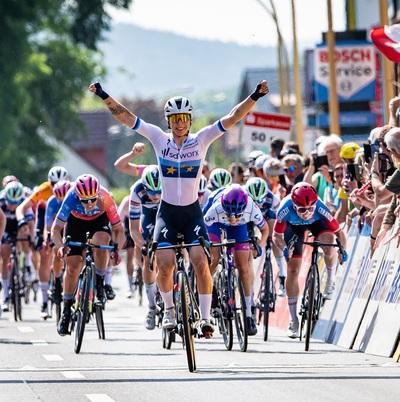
{"x": 311, "y": 301}
{"x": 230, "y": 297}
{"x": 85, "y": 295}
{"x": 187, "y": 309}
{"x": 267, "y": 291}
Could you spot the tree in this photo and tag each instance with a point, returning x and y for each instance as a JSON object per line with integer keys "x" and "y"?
{"x": 49, "y": 55}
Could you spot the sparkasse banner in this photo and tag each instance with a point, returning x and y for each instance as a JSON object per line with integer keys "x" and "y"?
{"x": 355, "y": 72}
{"x": 261, "y": 128}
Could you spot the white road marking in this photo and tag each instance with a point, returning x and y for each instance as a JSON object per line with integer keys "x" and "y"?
{"x": 99, "y": 398}
{"x": 26, "y": 329}
{"x": 53, "y": 358}
{"x": 72, "y": 374}
{"x": 39, "y": 342}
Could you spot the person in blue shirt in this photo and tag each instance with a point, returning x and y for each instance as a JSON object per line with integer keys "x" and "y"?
{"x": 299, "y": 212}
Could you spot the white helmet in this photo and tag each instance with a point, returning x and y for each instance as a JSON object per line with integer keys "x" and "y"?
{"x": 202, "y": 184}
{"x": 57, "y": 173}
{"x": 251, "y": 158}
{"x": 177, "y": 104}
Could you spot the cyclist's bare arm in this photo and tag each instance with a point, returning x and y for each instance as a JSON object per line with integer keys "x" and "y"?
{"x": 278, "y": 240}
{"x": 3, "y": 222}
{"x": 342, "y": 237}
{"x": 244, "y": 107}
{"x": 123, "y": 163}
{"x": 120, "y": 112}
{"x": 134, "y": 229}
{"x": 22, "y": 208}
{"x": 264, "y": 236}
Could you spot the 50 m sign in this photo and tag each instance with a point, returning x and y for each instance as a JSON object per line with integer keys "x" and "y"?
{"x": 262, "y": 128}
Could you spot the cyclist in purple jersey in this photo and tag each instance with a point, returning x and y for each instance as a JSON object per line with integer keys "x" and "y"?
{"x": 180, "y": 158}
{"x": 298, "y": 212}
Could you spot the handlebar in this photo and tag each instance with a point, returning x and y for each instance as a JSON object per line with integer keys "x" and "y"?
{"x": 316, "y": 243}
{"x": 112, "y": 246}
{"x": 179, "y": 247}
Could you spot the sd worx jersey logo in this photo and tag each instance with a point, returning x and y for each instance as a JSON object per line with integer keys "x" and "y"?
{"x": 176, "y": 155}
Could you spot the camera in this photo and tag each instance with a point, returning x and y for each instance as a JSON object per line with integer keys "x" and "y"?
{"x": 369, "y": 151}
{"x": 353, "y": 172}
{"x": 383, "y": 162}
{"x": 320, "y": 160}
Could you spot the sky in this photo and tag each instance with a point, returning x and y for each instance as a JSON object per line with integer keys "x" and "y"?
{"x": 244, "y": 22}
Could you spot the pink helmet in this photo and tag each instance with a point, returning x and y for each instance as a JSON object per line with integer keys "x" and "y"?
{"x": 8, "y": 179}
{"x": 61, "y": 188}
{"x": 87, "y": 186}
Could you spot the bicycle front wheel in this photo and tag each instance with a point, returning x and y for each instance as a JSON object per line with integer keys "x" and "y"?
{"x": 186, "y": 321}
{"x": 16, "y": 291}
{"x": 268, "y": 296}
{"x": 83, "y": 310}
{"x": 98, "y": 308}
{"x": 310, "y": 297}
{"x": 224, "y": 311}
{"x": 239, "y": 303}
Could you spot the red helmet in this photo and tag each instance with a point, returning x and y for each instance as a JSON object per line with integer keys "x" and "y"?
{"x": 304, "y": 195}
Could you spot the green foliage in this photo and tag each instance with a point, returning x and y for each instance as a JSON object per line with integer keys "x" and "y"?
{"x": 119, "y": 194}
{"x": 48, "y": 57}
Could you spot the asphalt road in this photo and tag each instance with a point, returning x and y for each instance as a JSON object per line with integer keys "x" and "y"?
{"x": 36, "y": 364}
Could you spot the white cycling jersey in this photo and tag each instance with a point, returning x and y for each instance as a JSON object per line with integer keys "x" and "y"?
{"x": 180, "y": 168}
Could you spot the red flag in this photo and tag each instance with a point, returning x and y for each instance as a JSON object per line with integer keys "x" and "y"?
{"x": 387, "y": 40}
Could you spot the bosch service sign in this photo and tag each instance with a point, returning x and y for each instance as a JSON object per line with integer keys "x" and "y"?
{"x": 355, "y": 72}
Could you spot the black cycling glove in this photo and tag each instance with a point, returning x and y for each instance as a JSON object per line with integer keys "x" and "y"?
{"x": 99, "y": 91}
{"x": 256, "y": 95}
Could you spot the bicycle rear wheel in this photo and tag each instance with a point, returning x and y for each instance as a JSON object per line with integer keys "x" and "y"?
{"x": 239, "y": 303}
{"x": 310, "y": 313}
{"x": 83, "y": 310}
{"x": 186, "y": 321}
{"x": 224, "y": 313}
{"x": 15, "y": 286}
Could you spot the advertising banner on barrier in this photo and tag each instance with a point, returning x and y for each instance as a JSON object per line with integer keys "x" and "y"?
{"x": 327, "y": 325}
{"x": 378, "y": 332}
{"x": 362, "y": 290}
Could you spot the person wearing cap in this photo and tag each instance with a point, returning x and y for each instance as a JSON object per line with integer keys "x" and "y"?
{"x": 274, "y": 175}
{"x": 251, "y": 160}
{"x": 259, "y": 163}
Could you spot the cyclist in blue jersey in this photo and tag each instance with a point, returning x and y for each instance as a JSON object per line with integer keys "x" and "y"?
{"x": 298, "y": 212}
{"x": 143, "y": 206}
{"x": 231, "y": 210}
{"x": 180, "y": 157}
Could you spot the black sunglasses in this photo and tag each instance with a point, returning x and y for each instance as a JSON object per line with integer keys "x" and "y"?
{"x": 87, "y": 200}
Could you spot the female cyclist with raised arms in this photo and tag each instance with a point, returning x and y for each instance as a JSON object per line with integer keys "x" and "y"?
{"x": 180, "y": 158}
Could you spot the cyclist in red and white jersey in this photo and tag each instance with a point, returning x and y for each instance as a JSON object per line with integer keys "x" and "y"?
{"x": 180, "y": 158}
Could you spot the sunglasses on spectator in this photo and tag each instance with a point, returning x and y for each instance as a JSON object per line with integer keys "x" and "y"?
{"x": 87, "y": 200}
{"x": 290, "y": 169}
{"x": 151, "y": 192}
{"x": 237, "y": 216}
{"x": 303, "y": 210}
{"x": 174, "y": 118}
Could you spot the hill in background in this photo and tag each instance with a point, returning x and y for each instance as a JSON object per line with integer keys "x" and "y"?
{"x": 160, "y": 64}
